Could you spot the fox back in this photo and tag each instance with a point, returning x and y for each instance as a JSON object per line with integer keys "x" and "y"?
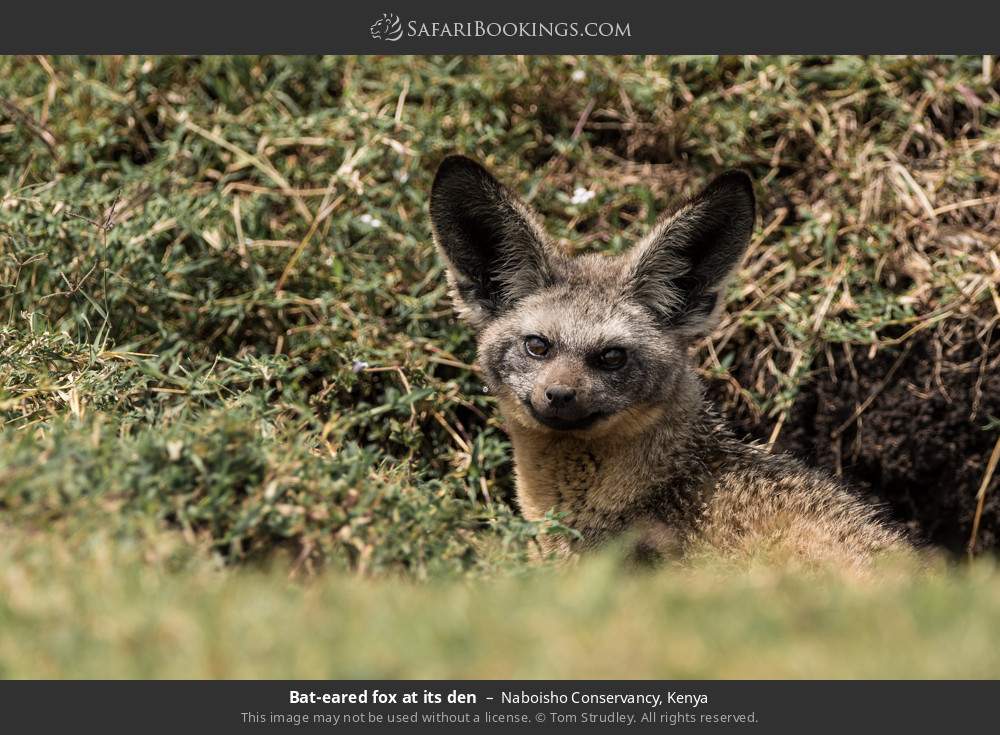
{"x": 589, "y": 359}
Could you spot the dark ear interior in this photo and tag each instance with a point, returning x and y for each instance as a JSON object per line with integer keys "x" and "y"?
{"x": 494, "y": 249}
{"x": 682, "y": 271}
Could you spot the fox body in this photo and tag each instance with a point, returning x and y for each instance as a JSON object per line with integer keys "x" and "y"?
{"x": 589, "y": 359}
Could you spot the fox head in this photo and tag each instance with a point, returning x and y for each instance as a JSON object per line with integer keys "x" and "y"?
{"x": 593, "y": 344}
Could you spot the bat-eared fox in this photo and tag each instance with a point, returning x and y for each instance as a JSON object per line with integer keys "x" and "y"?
{"x": 588, "y": 358}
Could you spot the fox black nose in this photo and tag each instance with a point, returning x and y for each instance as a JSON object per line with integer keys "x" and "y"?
{"x": 560, "y": 395}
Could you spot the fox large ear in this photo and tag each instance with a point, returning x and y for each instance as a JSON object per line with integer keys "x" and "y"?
{"x": 681, "y": 269}
{"x": 493, "y": 245}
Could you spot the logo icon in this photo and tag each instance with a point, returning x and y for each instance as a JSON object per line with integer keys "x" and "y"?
{"x": 387, "y": 28}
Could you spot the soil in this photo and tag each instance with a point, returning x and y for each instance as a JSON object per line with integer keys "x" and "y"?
{"x": 920, "y": 447}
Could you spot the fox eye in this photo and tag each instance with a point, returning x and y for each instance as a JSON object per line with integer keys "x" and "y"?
{"x": 612, "y": 358}
{"x": 536, "y": 346}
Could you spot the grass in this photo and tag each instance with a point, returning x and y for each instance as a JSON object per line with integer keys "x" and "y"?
{"x": 227, "y": 357}
{"x": 95, "y": 609}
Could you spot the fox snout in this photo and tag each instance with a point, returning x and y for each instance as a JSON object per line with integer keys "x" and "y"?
{"x": 560, "y": 402}
{"x": 559, "y": 395}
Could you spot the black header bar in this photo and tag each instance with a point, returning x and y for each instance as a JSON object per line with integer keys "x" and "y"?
{"x": 515, "y": 26}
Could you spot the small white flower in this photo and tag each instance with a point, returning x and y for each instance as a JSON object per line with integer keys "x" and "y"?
{"x": 581, "y": 195}
{"x": 373, "y": 222}
{"x": 359, "y": 366}
{"x": 578, "y": 75}
{"x": 402, "y": 176}
{"x": 174, "y": 449}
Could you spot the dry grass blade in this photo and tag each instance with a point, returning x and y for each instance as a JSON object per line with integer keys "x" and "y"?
{"x": 991, "y": 467}
{"x": 37, "y": 128}
{"x": 875, "y": 392}
{"x": 326, "y": 208}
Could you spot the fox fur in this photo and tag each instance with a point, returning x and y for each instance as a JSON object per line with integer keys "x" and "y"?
{"x": 632, "y": 449}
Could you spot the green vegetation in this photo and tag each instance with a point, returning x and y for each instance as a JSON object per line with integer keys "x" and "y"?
{"x": 227, "y": 357}
{"x": 95, "y": 609}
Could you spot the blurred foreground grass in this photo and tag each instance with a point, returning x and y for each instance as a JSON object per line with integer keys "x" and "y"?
{"x": 95, "y": 608}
